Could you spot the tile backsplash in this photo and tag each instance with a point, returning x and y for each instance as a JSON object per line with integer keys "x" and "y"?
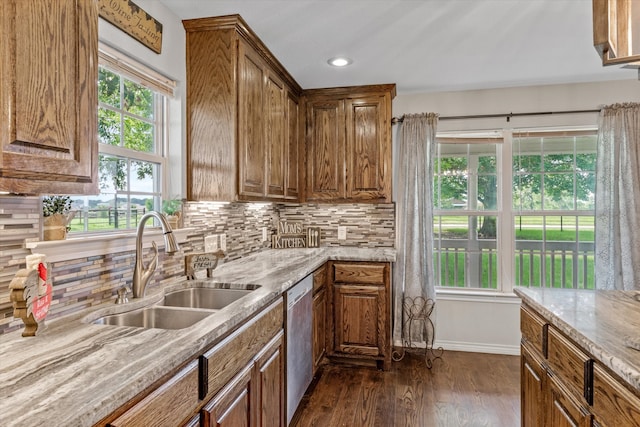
{"x": 84, "y": 282}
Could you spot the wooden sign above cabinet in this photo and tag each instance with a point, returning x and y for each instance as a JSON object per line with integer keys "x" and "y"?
{"x": 134, "y": 21}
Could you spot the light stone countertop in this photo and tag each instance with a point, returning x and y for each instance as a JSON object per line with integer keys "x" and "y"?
{"x": 76, "y": 373}
{"x": 604, "y": 323}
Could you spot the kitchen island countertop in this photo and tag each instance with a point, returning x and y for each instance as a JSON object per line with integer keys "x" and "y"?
{"x": 75, "y": 373}
{"x": 602, "y": 322}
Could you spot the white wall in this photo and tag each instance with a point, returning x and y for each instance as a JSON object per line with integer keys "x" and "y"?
{"x": 171, "y": 63}
{"x": 485, "y": 323}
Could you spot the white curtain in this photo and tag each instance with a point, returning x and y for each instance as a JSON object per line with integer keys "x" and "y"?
{"x": 413, "y": 273}
{"x": 617, "y": 237}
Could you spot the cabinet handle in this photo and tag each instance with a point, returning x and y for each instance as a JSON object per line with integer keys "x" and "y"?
{"x": 588, "y": 381}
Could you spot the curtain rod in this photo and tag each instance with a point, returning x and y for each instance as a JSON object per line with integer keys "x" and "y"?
{"x": 508, "y": 116}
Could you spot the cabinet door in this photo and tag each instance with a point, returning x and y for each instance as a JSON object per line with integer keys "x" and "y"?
{"x": 368, "y": 148}
{"x": 532, "y": 376}
{"x": 269, "y": 380}
{"x": 251, "y": 149}
{"x": 325, "y": 150}
{"x": 49, "y": 119}
{"x": 292, "y": 151}
{"x": 359, "y": 319}
{"x": 274, "y": 114}
{"x": 319, "y": 327}
{"x": 231, "y": 407}
{"x": 562, "y": 410}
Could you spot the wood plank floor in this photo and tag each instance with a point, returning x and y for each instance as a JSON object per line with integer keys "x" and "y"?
{"x": 462, "y": 389}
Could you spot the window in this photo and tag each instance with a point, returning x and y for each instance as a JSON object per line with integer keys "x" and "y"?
{"x": 131, "y": 133}
{"x": 546, "y": 221}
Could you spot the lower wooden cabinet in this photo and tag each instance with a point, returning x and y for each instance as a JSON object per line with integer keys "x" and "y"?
{"x": 254, "y": 397}
{"x": 238, "y": 382}
{"x": 562, "y": 408}
{"x": 533, "y": 379}
{"x": 567, "y": 386}
{"x": 232, "y": 406}
{"x": 359, "y": 311}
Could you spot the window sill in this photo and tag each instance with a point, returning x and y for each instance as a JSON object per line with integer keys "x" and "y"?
{"x": 100, "y": 244}
{"x": 477, "y": 295}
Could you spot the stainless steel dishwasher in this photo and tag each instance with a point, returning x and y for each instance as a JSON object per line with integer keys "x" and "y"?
{"x": 299, "y": 338}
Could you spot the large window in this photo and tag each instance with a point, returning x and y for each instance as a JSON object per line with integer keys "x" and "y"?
{"x": 538, "y": 234}
{"x": 131, "y": 131}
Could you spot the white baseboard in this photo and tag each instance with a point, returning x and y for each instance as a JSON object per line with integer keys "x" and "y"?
{"x": 478, "y": 347}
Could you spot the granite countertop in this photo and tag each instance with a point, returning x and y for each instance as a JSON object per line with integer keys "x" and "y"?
{"x": 605, "y": 323}
{"x": 76, "y": 373}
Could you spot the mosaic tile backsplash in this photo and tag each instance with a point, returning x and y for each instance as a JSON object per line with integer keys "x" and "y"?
{"x": 84, "y": 282}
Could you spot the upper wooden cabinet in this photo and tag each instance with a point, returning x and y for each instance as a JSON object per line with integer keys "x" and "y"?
{"x": 348, "y": 143}
{"x": 242, "y": 115}
{"x": 48, "y": 93}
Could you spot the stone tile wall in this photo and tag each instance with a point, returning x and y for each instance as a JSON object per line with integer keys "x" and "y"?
{"x": 84, "y": 282}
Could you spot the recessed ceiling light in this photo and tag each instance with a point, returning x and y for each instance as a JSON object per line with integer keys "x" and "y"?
{"x": 339, "y": 61}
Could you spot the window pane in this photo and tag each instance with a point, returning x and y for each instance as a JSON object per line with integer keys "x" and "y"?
{"x": 487, "y": 192}
{"x": 527, "y": 192}
{"x": 108, "y": 126}
{"x": 138, "y": 99}
{"x": 113, "y": 174}
{"x": 453, "y": 192}
{"x": 558, "y": 191}
{"x": 138, "y": 135}
{"x": 528, "y": 232}
{"x": 143, "y": 176}
{"x": 558, "y": 162}
{"x": 108, "y": 87}
{"x": 586, "y": 189}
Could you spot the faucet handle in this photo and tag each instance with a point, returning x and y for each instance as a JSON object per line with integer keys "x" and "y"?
{"x": 122, "y": 295}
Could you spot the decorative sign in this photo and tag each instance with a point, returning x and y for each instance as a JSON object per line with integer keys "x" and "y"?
{"x": 291, "y": 234}
{"x": 202, "y": 261}
{"x": 31, "y": 294}
{"x": 134, "y": 21}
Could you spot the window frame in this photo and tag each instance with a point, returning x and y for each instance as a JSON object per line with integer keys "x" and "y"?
{"x": 506, "y": 211}
{"x": 163, "y": 92}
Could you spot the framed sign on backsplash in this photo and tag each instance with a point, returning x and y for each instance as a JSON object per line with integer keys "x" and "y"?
{"x": 292, "y": 234}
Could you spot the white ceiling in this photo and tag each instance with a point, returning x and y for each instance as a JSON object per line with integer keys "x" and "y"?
{"x": 423, "y": 45}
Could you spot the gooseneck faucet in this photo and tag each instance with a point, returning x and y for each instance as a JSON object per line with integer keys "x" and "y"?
{"x": 141, "y": 274}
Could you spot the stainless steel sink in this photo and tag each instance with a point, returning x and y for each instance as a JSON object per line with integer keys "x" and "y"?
{"x": 155, "y": 317}
{"x": 207, "y": 298}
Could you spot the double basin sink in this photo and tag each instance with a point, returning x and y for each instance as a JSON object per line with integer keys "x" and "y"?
{"x": 178, "y": 309}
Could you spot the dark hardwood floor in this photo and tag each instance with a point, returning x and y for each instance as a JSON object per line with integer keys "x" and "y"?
{"x": 462, "y": 389}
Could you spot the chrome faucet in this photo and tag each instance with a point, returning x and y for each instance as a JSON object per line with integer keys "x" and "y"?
{"x": 141, "y": 274}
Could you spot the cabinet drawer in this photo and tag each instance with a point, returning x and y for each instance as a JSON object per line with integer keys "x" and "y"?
{"x": 168, "y": 405}
{"x": 319, "y": 278}
{"x": 534, "y": 330}
{"x": 226, "y": 359}
{"x": 570, "y": 363}
{"x": 366, "y": 274}
{"x": 613, "y": 404}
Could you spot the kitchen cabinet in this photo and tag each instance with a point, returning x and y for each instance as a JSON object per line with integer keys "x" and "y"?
{"x": 563, "y": 382}
{"x": 359, "y": 321}
{"x": 242, "y": 115}
{"x": 319, "y": 316}
{"x": 348, "y": 143}
{"x": 48, "y": 92}
{"x": 254, "y": 397}
{"x": 239, "y": 381}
